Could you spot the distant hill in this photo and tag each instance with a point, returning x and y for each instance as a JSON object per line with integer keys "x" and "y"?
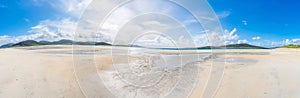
{"x": 44, "y": 42}
{"x": 60, "y": 42}
{"x": 290, "y": 46}
{"x": 6, "y": 45}
{"x": 232, "y": 46}
{"x": 27, "y": 43}
{"x": 63, "y": 42}
{"x": 70, "y": 42}
{"x": 102, "y": 43}
{"x": 243, "y": 46}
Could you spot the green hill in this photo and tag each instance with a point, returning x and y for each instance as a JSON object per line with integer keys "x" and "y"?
{"x": 243, "y": 46}
{"x": 232, "y": 46}
{"x": 27, "y": 43}
{"x": 290, "y": 46}
{"x": 60, "y": 42}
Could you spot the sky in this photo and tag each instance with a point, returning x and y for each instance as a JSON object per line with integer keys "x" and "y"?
{"x": 266, "y": 23}
{"x": 270, "y": 20}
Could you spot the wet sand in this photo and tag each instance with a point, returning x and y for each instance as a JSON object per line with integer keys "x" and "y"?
{"x": 48, "y": 71}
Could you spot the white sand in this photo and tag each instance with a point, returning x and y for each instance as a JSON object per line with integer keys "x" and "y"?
{"x": 50, "y": 73}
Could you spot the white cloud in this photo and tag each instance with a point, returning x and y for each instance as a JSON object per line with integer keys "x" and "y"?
{"x": 157, "y": 23}
{"x": 4, "y": 39}
{"x": 295, "y": 41}
{"x": 64, "y": 28}
{"x": 152, "y": 24}
{"x": 118, "y": 19}
{"x": 223, "y": 14}
{"x": 286, "y": 41}
{"x": 230, "y": 35}
{"x": 256, "y": 38}
{"x": 245, "y": 22}
{"x": 51, "y": 30}
{"x": 201, "y": 40}
{"x": 292, "y": 41}
{"x": 275, "y": 44}
{"x": 70, "y": 7}
{"x": 242, "y": 42}
{"x": 46, "y": 30}
{"x": 190, "y": 21}
{"x": 154, "y": 41}
{"x": 73, "y": 7}
{"x": 229, "y": 42}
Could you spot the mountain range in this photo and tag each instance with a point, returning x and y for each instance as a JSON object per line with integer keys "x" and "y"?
{"x": 60, "y": 42}
{"x": 231, "y": 46}
{"x": 70, "y": 42}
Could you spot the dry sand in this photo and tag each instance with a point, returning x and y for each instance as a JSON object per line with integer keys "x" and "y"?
{"x": 48, "y": 72}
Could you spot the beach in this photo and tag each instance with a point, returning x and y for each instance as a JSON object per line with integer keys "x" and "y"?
{"x": 49, "y": 71}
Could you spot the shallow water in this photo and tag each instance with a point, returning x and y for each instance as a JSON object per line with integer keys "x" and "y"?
{"x": 233, "y": 59}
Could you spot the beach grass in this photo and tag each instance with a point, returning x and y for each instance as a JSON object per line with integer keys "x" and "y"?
{"x": 290, "y": 46}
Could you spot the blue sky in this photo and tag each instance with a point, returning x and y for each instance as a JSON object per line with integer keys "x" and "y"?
{"x": 273, "y": 20}
{"x": 259, "y": 22}
{"x": 17, "y": 16}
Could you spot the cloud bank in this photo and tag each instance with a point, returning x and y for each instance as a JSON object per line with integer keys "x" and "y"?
{"x": 47, "y": 30}
{"x": 242, "y": 41}
{"x": 292, "y": 41}
{"x": 53, "y": 30}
